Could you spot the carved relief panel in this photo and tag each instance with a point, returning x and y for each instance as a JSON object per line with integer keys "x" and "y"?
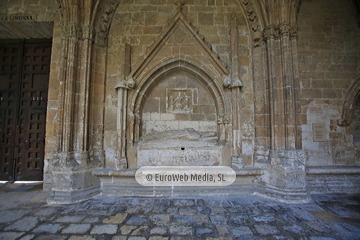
{"x": 178, "y": 101}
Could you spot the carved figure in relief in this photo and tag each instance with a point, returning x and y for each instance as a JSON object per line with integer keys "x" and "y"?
{"x": 179, "y": 101}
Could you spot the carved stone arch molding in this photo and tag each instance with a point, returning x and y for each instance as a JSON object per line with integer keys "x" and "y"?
{"x": 179, "y": 64}
{"x": 175, "y": 67}
{"x": 103, "y": 20}
{"x": 187, "y": 65}
{"x": 348, "y": 106}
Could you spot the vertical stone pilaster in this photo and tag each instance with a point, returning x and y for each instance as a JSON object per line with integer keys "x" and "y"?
{"x": 289, "y": 87}
{"x": 71, "y": 170}
{"x": 285, "y": 177}
{"x": 236, "y": 83}
{"x": 71, "y": 47}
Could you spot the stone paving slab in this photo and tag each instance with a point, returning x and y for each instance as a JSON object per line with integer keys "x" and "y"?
{"x": 328, "y": 217}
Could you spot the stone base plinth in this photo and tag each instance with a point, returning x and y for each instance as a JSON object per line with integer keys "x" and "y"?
{"x": 123, "y": 183}
{"x": 333, "y": 179}
{"x": 73, "y": 186}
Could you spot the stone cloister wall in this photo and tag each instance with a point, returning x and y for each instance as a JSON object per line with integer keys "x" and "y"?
{"x": 296, "y": 61}
{"x": 329, "y": 63}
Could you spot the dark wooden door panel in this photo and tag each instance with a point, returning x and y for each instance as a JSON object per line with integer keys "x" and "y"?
{"x": 25, "y": 116}
{"x": 10, "y": 77}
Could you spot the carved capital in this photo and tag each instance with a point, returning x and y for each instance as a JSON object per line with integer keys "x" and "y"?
{"x": 294, "y": 32}
{"x": 126, "y": 82}
{"x": 258, "y": 42}
{"x": 229, "y": 83}
{"x": 270, "y": 32}
{"x": 285, "y": 30}
{"x": 343, "y": 122}
{"x": 223, "y": 118}
{"x": 72, "y": 29}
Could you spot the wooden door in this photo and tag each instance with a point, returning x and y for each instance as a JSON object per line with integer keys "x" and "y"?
{"x": 24, "y": 78}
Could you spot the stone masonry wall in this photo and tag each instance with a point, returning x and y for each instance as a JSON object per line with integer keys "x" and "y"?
{"x": 329, "y": 62}
{"x": 139, "y": 23}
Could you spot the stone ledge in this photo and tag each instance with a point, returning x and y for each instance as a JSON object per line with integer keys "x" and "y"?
{"x": 333, "y": 179}
{"x": 111, "y": 172}
{"x": 332, "y": 170}
{"x": 122, "y": 182}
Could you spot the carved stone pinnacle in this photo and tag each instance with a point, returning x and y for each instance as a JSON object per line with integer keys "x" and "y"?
{"x": 179, "y": 4}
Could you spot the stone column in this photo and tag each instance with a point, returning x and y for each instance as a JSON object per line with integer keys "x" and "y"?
{"x": 72, "y": 179}
{"x": 122, "y": 90}
{"x": 285, "y": 177}
{"x": 235, "y": 83}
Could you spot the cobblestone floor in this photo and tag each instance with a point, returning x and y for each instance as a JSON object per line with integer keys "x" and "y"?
{"x": 222, "y": 217}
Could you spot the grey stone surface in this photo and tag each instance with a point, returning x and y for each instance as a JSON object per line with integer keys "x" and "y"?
{"x": 49, "y": 228}
{"x": 11, "y": 215}
{"x": 218, "y": 220}
{"x": 199, "y": 231}
{"x": 91, "y": 220}
{"x": 27, "y": 237}
{"x": 72, "y": 219}
{"x": 25, "y": 224}
{"x": 184, "y": 202}
{"x": 294, "y": 229}
{"x": 46, "y": 211}
{"x": 222, "y": 230}
{"x": 180, "y": 230}
{"x": 240, "y": 219}
{"x": 119, "y": 238}
{"x": 241, "y": 231}
{"x": 160, "y": 219}
{"x": 191, "y": 219}
{"x": 159, "y": 230}
{"x": 321, "y": 238}
{"x": 137, "y": 220}
{"x": 87, "y": 237}
{"x": 209, "y": 218}
{"x": 10, "y": 235}
{"x": 141, "y": 231}
{"x": 265, "y": 229}
{"x": 188, "y": 211}
{"x": 137, "y": 238}
{"x": 319, "y": 227}
{"x": 104, "y": 229}
{"x": 158, "y": 238}
{"x": 264, "y": 218}
{"x": 77, "y": 228}
{"x": 125, "y": 230}
{"x": 52, "y": 237}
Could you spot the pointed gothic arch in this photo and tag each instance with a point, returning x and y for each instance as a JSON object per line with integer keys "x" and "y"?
{"x": 348, "y": 106}
{"x": 176, "y": 64}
